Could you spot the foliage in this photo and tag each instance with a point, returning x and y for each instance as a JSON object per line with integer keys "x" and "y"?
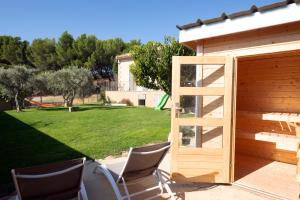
{"x": 131, "y": 45}
{"x": 12, "y": 51}
{"x": 46, "y": 54}
{"x": 188, "y": 76}
{"x": 103, "y": 59}
{"x": 65, "y": 50}
{"x": 41, "y": 84}
{"x": 70, "y": 82}
{"x": 17, "y": 83}
{"x": 97, "y": 58}
{"x": 42, "y": 54}
{"x": 112, "y": 48}
{"x": 187, "y": 131}
{"x": 152, "y": 66}
{"x": 84, "y": 46}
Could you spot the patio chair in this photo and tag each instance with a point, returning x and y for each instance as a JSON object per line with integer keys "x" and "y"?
{"x": 141, "y": 162}
{"x": 56, "y": 181}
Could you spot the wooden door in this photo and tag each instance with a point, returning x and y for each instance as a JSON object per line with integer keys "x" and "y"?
{"x": 202, "y": 88}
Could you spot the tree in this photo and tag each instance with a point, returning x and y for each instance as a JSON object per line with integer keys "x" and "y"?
{"x": 16, "y": 83}
{"x": 69, "y": 82}
{"x": 131, "y": 44}
{"x": 41, "y": 84}
{"x": 112, "y": 48}
{"x": 42, "y": 54}
{"x": 152, "y": 66}
{"x": 102, "y": 59}
{"x": 97, "y": 58}
{"x": 84, "y": 46}
{"x": 13, "y": 51}
{"x": 65, "y": 50}
{"x": 105, "y": 53}
{"x": 86, "y": 90}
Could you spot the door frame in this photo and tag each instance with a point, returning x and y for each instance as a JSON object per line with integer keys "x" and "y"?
{"x": 233, "y": 120}
{"x": 229, "y": 101}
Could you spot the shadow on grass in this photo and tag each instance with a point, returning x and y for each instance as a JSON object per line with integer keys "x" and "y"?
{"x": 87, "y": 107}
{"x": 23, "y": 146}
{"x": 53, "y": 109}
{"x": 84, "y": 108}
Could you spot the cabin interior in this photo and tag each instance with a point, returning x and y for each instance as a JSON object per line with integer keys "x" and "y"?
{"x": 267, "y": 121}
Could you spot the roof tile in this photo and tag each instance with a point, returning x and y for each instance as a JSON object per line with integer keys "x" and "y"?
{"x": 235, "y": 15}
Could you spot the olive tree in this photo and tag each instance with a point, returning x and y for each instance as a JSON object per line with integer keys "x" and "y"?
{"x": 41, "y": 85}
{"x": 17, "y": 83}
{"x": 69, "y": 82}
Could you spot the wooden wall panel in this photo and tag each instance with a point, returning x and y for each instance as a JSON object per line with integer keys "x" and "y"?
{"x": 212, "y": 76}
{"x": 259, "y": 125}
{"x": 266, "y": 150}
{"x": 269, "y": 85}
{"x": 261, "y": 41}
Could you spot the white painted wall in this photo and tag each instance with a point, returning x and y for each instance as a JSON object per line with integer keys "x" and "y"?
{"x": 152, "y": 98}
{"x": 125, "y": 78}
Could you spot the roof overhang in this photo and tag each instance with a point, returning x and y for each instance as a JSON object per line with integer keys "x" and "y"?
{"x": 257, "y": 20}
{"x": 126, "y": 56}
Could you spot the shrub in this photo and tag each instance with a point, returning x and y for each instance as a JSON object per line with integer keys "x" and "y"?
{"x": 127, "y": 102}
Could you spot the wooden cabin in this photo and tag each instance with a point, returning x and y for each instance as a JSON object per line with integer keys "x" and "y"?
{"x": 236, "y": 105}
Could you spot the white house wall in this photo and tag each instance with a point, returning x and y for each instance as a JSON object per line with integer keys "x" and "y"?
{"x": 152, "y": 98}
{"x": 124, "y": 81}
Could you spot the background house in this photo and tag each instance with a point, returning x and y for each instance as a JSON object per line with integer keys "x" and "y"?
{"x": 125, "y": 78}
{"x": 128, "y": 91}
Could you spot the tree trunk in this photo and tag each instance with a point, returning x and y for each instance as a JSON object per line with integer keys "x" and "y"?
{"x": 65, "y": 101}
{"x": 23, "y": 103}
{"x": 70, "y": 103}
{"x": 17, "y": 102}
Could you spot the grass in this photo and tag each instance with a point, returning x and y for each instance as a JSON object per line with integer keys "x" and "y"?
{"x": 38, "y": 136}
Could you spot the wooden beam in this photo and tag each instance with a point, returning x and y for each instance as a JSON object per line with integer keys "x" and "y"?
{"x": 211, "y": 122}
{"x": 200, "y": 91}
{"x": 200, "y": 60}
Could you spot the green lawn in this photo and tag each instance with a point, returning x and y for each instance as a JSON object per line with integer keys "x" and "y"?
{"x": 38, "y": 136}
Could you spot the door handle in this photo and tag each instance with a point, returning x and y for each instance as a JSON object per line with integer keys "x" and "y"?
{"x": 177, "y": 107}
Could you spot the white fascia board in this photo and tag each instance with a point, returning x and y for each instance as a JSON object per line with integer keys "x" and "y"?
{"x": 290, "y": 13}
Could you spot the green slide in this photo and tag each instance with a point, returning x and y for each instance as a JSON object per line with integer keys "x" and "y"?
{"x": 162, "y": 102}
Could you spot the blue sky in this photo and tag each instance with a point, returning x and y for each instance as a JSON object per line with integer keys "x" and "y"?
{"x": 129, "y": 19}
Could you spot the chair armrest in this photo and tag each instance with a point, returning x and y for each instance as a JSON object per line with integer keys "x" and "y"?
{"x": 103, "y": 169}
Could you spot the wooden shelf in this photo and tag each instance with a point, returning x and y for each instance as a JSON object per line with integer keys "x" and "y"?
{"x": 271, "y": 116}
{"x": 282, "y": 141}
{"x": 270, "y": 135}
